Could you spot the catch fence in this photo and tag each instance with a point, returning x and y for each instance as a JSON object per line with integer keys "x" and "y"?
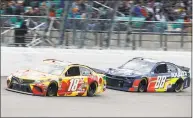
{"x": 119, "y": 32}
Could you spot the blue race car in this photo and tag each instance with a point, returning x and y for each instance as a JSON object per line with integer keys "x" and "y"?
{"x": 148, "y": 75}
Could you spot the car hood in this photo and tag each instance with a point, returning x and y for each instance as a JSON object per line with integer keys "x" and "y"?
{"x": 33, "y": 75}
{"x": 124, "y": 72}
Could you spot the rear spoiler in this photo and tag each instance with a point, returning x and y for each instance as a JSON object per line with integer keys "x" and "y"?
{"x": 98, "y": 71}
{"x": 184, "y": 68}
{"x": 53, "y": 60}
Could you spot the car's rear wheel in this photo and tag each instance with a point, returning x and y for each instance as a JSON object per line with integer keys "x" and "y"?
{"x": 52, "y": 90}
{"x": 178, "y": 85}
{"x": 92, "y": 89}
{"x": 143, "y": 86}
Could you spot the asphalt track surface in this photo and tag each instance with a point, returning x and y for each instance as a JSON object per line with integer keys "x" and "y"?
{"x": 112, "y": 103}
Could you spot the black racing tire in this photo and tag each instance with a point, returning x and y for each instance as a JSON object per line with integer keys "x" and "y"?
{"x": 143, "y": 85}
{"x": 178, "y": 86}
{"x": 52, "y": 90}
{"x": 92, "y": 89}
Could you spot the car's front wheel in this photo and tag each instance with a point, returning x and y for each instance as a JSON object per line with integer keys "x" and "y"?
{"x": 52, "y": 90}
{"x": 142, "y": 86}
{"x": 92, "y": 89}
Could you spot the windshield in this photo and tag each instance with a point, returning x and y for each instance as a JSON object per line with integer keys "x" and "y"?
{"x": 139, "y": 65}
{"x": 51, "y": 68}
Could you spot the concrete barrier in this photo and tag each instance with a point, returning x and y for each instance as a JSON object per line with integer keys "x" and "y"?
{"x": 13, "y": 58}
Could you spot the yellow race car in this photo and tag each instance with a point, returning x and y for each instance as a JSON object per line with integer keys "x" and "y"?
{"x": 58, "y": 78}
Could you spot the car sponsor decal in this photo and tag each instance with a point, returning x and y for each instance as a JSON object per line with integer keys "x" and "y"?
{"x": 161, "y": 80}
{"x": 180, "y": 74}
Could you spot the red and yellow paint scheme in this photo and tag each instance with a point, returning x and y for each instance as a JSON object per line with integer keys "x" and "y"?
{"x": 58, "y": 79}
{"x": 148, "y": 75}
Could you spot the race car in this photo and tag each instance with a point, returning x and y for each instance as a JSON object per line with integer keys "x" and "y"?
{"x": 148, "y": 75}
{"x": 57, "y": 78}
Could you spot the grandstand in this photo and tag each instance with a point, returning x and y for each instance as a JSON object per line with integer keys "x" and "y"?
{"x": 150, "y": 16}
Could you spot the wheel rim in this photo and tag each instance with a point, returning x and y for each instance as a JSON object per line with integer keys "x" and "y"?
{"x": 142, "y": 86}
{"x": 51, "y": 91}
{"x": 91, "y": 89}
{"x": 178, "y": 87}
{"x": 141, "y": 89}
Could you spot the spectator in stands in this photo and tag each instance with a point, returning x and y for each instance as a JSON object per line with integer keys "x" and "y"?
{"x": 160, "y": 26}
{"x": 52, "y": 12}
{"x": 161, "y": 10}
{"x": 36, "y": 11}
{"x": 29, "y": 12}
{"x": 149, "y": 7}
{"x": 187, "y": 25}
{"x": 43, "y": 9}
{"x": 136, "y": 11}
{"x": 160, "y": 16}
{"x": 19, "y": 10}
{"x": 20, "y": 34}
{"x": 78, "y": 7}
{"x": 10, "y": 8}
{"x": 149, "y": 25}
{"x": 144, "y": 11}
{"x": 3, "y": 6}
{"x": 125, "y": 7}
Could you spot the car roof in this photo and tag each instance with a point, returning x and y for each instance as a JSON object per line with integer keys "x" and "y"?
{"x": 147, "y": 59}
{"x": 57, "y": 62}
{"x": 155, "y": 61}
{"x": 65, "y": 63}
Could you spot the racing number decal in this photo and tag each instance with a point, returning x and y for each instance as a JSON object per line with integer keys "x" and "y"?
{"x": 160, "y": 81}
{"x": 73, "y": 84}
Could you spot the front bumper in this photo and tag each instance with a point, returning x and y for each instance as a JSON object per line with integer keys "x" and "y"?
{"x": 19, "y": 91}
{"x": 20, "y": 88}
{"x": 26, "y": 87}
{"x": 118, "y": 88}
{"x": 118, "y": 84}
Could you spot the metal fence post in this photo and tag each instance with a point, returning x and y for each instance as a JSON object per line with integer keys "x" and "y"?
{"x": 101, "y": 37}
{"x": 133, "y": 42}
{"x": 74, "y": 31}
{"x": 129, "y": 27}
{"x": 96, "y": 38}
{"x": 140, "y": 38}
{"x": 118, "y": 35}
{"x": 1, "y": 30}
{"x": 161, "y": 40}
{"x": 182, "y": 37}
{"x": 161, "y": 37}
{"x": 112, "y": 23}
{"x": 64, "y": 19}
{"x": 86, "y": 21}
{"x": 47, "y": 22}
{"x": 165, "y": 43}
